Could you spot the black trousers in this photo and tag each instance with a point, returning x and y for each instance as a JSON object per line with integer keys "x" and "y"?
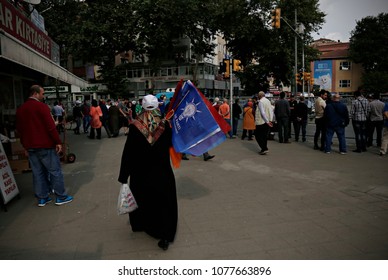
{"x": 261, "y": 135}
{"x": 320, "y": 130}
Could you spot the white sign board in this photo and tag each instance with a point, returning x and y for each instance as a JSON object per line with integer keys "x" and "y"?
{"x": 8, "y": 186}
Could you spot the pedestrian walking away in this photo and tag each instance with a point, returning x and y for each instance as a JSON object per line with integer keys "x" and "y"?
{"x": 320, "y": 128}
{"x": 300, "y": 122}
{"x": 282, "y": 113}
{"x": 359, "y": 114}
{"x": 146, "y": 162}
{"x": 42, "y": 144}
{"x": 336, "y": 118}
{"x": 248, "y": 121}
{"x": 236, "y": 112}
{"x": 384, "y": 141}
{"x": 263, "y": 122}
{"x": 375, "y": 120}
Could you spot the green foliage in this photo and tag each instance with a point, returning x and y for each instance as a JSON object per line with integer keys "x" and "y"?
{"x": 96, "y": 30}
{"x": 369, "y": 47}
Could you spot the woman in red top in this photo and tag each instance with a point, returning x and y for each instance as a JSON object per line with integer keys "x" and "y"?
{"x": 95, "y": 123}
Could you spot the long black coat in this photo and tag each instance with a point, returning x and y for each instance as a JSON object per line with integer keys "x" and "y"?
{"x": 152, "y": 183}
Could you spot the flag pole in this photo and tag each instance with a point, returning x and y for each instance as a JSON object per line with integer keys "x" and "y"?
{"x": 231, "y": 92}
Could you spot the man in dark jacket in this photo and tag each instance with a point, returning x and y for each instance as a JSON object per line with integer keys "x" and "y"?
{"x": 300, "y": 120}
{"x": 282, "y": 114}
{"x": 337, "y": 118}
{"x": 236, "y": 112}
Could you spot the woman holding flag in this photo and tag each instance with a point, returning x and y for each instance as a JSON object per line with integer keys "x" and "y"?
{"x": 146, "y": 161}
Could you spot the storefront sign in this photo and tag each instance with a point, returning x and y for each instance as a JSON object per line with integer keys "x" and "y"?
{"x": 8, "y": 186}
{"x": 16, "y": 24}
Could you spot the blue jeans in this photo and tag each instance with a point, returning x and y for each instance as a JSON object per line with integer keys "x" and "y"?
{"x": 86, "y": 123}
{"x": 340, "y": 131}
{"x": 283, "y": 132}
{"x": 46, "y": 173}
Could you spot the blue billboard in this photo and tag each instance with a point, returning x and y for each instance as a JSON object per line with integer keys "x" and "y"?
{"x": 323, "y": 74}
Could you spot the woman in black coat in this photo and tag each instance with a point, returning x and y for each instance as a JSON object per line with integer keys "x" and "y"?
{"x": 146, "y": 161}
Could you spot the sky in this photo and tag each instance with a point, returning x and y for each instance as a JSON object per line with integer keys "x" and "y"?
{"x": 342, "y": 16}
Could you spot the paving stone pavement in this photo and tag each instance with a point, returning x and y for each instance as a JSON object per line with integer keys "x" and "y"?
{"x": 293, "y": 204}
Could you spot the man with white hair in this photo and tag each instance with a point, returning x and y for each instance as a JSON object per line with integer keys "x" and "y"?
{"x": 263, "y": 122}
{"x": 336, "y": 118}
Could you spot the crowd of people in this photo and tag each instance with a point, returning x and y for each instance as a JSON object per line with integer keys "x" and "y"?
{"x": 149, "y": 141}
{"x": 262, "y": 118}
{"x": 112, "y": 115}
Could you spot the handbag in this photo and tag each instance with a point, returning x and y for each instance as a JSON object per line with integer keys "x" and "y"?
{"x": 126, "y": 201}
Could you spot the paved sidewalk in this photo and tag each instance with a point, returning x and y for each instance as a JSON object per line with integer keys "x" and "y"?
{"x": 294, "y": 203}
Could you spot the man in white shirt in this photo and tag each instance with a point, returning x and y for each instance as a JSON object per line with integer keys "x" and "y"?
{"x": 263, "y": 121}
{"x": 320, "y": 129}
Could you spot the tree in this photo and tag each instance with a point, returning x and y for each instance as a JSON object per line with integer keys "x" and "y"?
{"x": 96, "y": 30}
{"x": 247, "y": 29}
{"x": 369, "y": 46}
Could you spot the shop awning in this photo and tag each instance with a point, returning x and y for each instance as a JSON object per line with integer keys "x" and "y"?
{"x": 17, "y": 52}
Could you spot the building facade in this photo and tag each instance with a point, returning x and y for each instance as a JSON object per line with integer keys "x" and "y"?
{"x": 28, "y": 56}
{"x": 334, "y": 71}
{"x": 184, "y": 64}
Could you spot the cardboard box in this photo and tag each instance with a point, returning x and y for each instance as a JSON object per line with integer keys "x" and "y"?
{"x": 20, "y": 166}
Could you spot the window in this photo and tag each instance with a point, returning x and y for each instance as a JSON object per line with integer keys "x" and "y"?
{"x": 345, "y": 65}
{"x": 344, "y": 83}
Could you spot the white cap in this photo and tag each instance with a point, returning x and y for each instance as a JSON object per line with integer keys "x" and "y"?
{"x": 134, "y": 102}
{"x": 216, "y": 99}
{"x": 150, "y": 102}
{"x": 78, "y": 102}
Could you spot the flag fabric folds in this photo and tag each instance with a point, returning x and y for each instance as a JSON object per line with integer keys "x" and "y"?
{"x": 196, "y": 125}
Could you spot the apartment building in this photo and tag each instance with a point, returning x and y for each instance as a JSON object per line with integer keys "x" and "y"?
{"x": 334, "y": 71}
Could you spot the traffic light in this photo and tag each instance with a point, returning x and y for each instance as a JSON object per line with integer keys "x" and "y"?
{"x": 307, "y": 76}
{"x": 301, "y": 77}
{"x": 237, "y": 65}
{"x": 276, "y": 18}
{"x": 297, "y": 78}
{"x": 312, "y": 81}
{"x": 222, "y": 68}
{"x": 227, "y": 68}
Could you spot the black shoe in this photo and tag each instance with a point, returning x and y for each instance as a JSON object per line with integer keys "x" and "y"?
{"x": 163, "y": 244}
{"x": 208, "y": 157}
{"x": 364, "y": 150}
{"x": 316, "y": 148}
{"x": 356, "y": 151}
{"x": 185, "y": 158}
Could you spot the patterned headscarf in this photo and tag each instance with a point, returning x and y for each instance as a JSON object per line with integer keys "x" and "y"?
{"x": 150, "y": 125}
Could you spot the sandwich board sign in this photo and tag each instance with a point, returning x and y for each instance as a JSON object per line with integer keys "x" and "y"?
{"x": 8, "y": 186}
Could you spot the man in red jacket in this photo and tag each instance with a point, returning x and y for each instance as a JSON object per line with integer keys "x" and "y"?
{"x": 41, "y": 141}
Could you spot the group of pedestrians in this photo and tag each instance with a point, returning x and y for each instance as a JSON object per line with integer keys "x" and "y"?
{"x": 366, "y": 115}
{"x": 110, "y": 115}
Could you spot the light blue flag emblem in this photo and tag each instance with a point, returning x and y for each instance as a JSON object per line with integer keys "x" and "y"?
{"x": 195, "y": 130}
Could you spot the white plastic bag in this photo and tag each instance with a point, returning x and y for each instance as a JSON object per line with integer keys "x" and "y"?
{"x": 126, "y": 202}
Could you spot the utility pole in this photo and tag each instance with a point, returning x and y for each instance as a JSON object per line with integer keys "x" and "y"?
{"x": 296, "y": 53}
{"x": 297, "y": 34}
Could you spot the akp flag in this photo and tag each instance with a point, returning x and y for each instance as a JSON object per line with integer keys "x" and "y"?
{"x": 195, "y": 130}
